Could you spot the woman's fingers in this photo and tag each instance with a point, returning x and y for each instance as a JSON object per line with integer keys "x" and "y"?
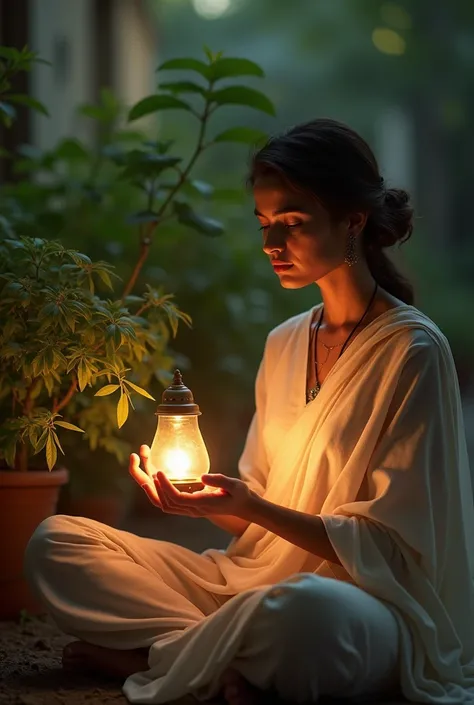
{"x": 171, "y": 499}
{"x": 152, "y": 495}
{"x": 142, "y": 479}
{"x": 145, "y": 456}
{"x": 136, "y": 472}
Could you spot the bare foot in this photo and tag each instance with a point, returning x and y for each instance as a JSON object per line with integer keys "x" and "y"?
{"x": 238, "y": 691}
{"x": 81, "y": 656}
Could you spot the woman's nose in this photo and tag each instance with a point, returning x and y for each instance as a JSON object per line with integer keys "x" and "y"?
{"x": 273, "y": 243}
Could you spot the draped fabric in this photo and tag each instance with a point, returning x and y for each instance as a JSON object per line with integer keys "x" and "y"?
{"x": 380, "y": 455}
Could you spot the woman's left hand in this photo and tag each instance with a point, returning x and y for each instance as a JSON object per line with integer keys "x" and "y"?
{"x": 230, "y": 497}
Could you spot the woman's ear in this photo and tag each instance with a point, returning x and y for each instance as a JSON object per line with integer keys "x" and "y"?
{"x": 356, "y": 222}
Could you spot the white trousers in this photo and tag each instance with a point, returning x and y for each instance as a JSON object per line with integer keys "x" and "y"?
{"x": 309, "y": 636}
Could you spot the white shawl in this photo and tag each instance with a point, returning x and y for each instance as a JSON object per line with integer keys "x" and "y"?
{"x": 380, "y": 454}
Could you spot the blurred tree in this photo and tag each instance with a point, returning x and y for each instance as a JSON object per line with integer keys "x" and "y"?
{"x": 356, "y": 62}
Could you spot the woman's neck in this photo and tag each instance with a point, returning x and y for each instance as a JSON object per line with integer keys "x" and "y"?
{"x": 346, "y": 293}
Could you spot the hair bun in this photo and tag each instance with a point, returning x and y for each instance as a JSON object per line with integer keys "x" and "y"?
{"x": 394, "y": 220}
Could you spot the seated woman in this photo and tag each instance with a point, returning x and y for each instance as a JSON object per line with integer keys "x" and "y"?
{"x": 351, "y": 571}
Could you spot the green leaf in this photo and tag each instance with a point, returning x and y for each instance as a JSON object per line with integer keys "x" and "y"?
{"x": 9, "y": 53}
{"x": 182, "y": 87}
{"x": 141, "y": 164}
{"x": 202, "y": 187}
{"x": 187, "y": 216}
{"x": 83, "y": 375}
{"x": 228, "y": 67}
{"x": 108, "y": 389}
{"x": 122, "y": 410}
{"x": 56, "y": 440}
{"x": 113, "y": 334}
{"x": 245, "y": 135}
{"x": 105, "y": 276}
{"x": 71, "y": 150}
{"x": 30, "y": 102}
{"x": 69, "y": 426}
{"x": 242, "y": 95}
{"x": 186, "y": 65}
{"x": 139, "y": 390}
{"x": 51, "y": 452}
{"x": 154, "y": 103}
{"x": 42, "y": 441}
{"x": 208, "y": 53}
{"x": 132, "y": 299}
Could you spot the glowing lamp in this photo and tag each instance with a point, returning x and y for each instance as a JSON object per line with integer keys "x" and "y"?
{"x": 178, "y": 448}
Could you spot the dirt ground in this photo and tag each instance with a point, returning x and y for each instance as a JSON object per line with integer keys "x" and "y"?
{"x": 31, "y": 674}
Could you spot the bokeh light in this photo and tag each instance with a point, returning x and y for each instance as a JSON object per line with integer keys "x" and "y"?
{"x": 388, "y": 41}
{"x": 211, "y": 9}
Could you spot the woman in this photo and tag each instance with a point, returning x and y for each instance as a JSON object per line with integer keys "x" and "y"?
{"x": 351, "y": 571}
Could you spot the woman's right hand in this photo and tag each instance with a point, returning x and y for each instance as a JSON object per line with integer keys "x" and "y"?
{"x": 145, "y": 478}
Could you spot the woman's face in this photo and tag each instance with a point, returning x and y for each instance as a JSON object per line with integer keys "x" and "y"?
{"x": 301, "y": 240}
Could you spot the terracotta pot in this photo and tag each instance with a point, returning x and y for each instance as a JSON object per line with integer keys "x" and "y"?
{"x": 108, "y": 510}
{"x": 26, "y": 498}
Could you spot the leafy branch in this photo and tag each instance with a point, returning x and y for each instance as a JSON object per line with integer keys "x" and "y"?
{"x": 217, "y": 68}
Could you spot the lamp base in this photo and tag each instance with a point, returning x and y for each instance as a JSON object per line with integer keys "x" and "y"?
{"x": 188, "y": 486}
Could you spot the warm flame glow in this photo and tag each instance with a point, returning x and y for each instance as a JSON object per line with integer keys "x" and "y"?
{"x": 178, "y": 449}
{"x": 178, "y": 464}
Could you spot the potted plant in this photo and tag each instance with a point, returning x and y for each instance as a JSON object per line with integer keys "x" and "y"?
{"x": 73, "y": 360}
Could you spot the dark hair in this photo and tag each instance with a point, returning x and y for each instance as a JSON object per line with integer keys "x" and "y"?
{"x": 326, "y": 159}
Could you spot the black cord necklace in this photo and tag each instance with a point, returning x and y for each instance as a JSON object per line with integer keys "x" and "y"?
{"x": 314, "y": 391}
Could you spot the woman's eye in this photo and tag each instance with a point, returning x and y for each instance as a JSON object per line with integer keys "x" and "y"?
{"x": 285, "y": 225}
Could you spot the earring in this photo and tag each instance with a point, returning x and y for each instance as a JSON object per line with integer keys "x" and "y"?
{"x": 351, "y": 255}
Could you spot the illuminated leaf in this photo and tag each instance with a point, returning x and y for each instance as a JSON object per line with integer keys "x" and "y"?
{"x": 122, "y": 410}
{"x": 105, "y": 391}
{"x": 139, "y": 390}
{"x": 69, "y": 426}
{"x": 51, "y": 452}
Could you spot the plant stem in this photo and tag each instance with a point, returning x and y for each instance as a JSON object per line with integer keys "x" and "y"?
{"x": 28, "y": 403}
{"x": 67, "y": 398}
{"x": 145, "y": 243}
{"x": 21, "y": 459}
{"x": 142, "y": 309}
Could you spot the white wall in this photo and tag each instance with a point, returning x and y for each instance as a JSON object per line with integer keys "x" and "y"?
{"x": 60, "y": 33}
{"x": 395, "y": 149}
{"x": 134, "y": 60}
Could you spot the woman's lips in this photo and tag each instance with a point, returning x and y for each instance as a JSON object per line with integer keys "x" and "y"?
{"x": 281, "y": 266}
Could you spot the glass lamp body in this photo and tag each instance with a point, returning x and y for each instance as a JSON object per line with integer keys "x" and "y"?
{"x": 178, "y": 450}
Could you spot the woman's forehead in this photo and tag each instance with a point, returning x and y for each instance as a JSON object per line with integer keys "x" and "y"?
{"x": 272, "y": 194}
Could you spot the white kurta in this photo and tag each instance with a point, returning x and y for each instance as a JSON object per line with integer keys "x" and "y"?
{"x": 380, "y": 454}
